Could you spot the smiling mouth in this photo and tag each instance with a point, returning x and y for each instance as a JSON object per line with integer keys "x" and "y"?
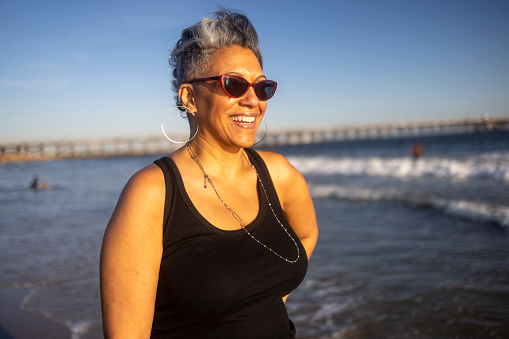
{"x": 243, "y": 120}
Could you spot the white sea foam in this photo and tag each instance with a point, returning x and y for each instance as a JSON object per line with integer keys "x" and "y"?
{"x": 318, "y": 301}
{"x": 79, "y": 329}
{"x": 493, "y": 165}
{"x": 473, "y": 210}
{"x": 479, "y": 211}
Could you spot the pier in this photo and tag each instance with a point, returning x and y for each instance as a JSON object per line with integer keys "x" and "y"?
{"x": 118, "y": 147}
{"x": 399, "y": 130}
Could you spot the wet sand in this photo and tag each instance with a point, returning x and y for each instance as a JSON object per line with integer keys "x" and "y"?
{"x": 18, "y": 324}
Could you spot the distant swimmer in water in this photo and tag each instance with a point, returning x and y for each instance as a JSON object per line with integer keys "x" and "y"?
{"x": 417, "y": 150}
{"x": 35, "y": 183}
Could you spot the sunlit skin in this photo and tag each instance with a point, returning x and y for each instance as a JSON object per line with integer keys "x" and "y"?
{"x": 220, "y": 141}
{"x": 132, "y": 245}
{"x": 214, "y": 108}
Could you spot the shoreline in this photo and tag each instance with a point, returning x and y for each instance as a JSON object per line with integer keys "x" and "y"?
{"x": 15, "y": 323}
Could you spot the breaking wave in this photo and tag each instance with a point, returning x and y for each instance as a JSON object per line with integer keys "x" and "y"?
{"x": 493, "y": 166}
{"x": 473, "y": 210}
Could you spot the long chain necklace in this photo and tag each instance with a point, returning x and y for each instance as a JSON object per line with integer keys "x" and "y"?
{"x": 234, "y": 214}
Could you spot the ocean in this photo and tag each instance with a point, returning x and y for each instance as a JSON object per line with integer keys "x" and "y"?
{"x": 407, "y": 248}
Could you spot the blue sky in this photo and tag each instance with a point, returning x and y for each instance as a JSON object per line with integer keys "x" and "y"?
{"x": 93, "y": 69}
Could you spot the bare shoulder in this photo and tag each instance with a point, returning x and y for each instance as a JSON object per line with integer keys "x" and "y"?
{"x": 141, "y": 200}
{"x": 151, "y": 177}
{"x": 139, "y": 210}
{"x": 280, "y": 169}
{"x": 271, "y": 156}
{"x": 288, "y": 181}
{"x": 283, "y": 173}
{"x": 147, "y": 182}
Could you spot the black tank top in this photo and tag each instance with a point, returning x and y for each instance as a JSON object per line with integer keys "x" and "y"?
{"x": 223, "y": 284}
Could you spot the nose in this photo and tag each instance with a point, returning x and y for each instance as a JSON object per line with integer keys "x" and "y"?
{"x": 250, "y": 98}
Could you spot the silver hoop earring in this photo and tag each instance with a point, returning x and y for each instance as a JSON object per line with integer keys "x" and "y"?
{"x": 256, "y": 143}
{"x": 187, "y": 112}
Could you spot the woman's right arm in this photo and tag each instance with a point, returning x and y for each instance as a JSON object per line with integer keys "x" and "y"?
{"x": 131, "y": 255}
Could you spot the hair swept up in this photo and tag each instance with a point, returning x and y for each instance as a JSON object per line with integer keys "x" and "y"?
{"x": 198, "y": 42}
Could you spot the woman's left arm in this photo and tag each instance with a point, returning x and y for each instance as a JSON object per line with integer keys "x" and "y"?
{"x": 295, "y": 199}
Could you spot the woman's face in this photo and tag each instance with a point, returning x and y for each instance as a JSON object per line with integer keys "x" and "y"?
{"x": 222, "y": 119}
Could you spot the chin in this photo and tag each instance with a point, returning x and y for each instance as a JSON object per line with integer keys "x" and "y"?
{"x": 244, "y": 142}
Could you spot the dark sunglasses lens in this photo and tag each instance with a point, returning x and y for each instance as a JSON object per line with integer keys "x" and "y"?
{"x": 235, "y": 86}
{"x": 265, "y": 89}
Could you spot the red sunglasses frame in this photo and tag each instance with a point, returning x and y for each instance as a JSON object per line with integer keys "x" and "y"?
{"x": 253, "y": 84}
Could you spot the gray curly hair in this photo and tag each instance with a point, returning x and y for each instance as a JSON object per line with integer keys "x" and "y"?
{"x": 197, "y": 44}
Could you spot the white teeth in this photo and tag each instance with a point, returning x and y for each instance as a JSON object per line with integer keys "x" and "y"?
{"x": 245, "y": 120}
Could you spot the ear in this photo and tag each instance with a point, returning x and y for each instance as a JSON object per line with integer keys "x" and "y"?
{"x": 186, "y": 95}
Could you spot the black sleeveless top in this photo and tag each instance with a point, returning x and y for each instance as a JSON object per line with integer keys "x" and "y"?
{"x": 223, "y": 284}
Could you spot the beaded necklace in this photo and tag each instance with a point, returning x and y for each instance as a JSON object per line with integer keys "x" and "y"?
{"x": 234, "y": 214}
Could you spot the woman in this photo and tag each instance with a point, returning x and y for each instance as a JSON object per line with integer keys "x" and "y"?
{"x": 206, "y": 243}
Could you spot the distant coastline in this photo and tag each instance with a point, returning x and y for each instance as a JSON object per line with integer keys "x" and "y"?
{"x": 135, "y": 146}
